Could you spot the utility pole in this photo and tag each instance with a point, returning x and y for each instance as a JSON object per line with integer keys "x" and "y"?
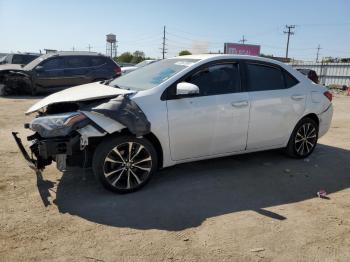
{"x": 163, "y": 48}
{"x": 318, "y": 52}
{"x": 289, "y": 32}
{"x": 89, "y": 47}
{"x": 73, "y": 48}
{"x": 243, "y": 40}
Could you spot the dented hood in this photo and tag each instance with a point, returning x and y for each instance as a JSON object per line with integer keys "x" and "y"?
{"x": 85, "y": 92}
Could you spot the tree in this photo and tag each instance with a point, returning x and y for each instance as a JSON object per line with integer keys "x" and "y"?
{"x": 125, "y": 57}
{"x": 345, "y": 60}
{"x": 185, "y": 52}
{"x": 138, "y": 56}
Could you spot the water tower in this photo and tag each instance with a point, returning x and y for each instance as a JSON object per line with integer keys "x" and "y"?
{"x": 111, "y": 45}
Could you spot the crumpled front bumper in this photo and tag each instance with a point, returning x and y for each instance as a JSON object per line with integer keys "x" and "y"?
{"x": 32, "y": 163}
{"x": 44, "y": 151}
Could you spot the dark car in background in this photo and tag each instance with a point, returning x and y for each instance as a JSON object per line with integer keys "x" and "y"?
{"x": 57, "y": 71}
{"x": 311, "y": 74}
{"x": 18, "y": 59}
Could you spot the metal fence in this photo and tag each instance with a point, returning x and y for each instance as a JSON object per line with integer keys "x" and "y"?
{"x": 328, "y": 73}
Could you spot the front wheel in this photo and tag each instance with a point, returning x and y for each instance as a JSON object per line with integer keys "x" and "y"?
{"x": 124, "y": 164}
{"x": 303, "y": 139}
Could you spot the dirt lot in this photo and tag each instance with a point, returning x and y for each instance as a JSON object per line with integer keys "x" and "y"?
{"x": 255, "y": 207}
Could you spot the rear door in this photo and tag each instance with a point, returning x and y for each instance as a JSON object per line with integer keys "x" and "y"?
{"x": 215, "y": 121}
{"x": 277, "y": 102}
{"x": 77, "y": 69}
{"x": 50, "y": 73}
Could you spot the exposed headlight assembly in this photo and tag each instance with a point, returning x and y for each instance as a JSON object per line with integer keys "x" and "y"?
{"x": 58, "y": 125}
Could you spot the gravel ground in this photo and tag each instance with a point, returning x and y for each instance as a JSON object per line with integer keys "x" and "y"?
{"x": 254, "y": 207}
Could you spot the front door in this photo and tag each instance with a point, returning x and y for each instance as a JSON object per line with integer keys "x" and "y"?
{"x": 213, "y": 122}
{"x": 49, "y": 74}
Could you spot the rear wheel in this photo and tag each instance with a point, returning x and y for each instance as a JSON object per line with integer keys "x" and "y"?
{"x": 303, "y": 139}
{"x": 124, "y": 164}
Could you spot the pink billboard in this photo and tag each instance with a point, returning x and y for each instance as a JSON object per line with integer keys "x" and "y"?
{"x": 241, "y": 49}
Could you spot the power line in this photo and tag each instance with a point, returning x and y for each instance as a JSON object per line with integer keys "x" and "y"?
{"x": 289, "y": 32}
{"x": 326, "y": 24}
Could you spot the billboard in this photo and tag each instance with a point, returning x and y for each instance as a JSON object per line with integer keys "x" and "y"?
{"x": 241, "y": 49}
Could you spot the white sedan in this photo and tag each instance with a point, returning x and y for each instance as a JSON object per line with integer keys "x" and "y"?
{"x": 178, "y": 110}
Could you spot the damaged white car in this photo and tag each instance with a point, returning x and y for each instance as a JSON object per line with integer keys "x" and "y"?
{"x": 174, "y": 111}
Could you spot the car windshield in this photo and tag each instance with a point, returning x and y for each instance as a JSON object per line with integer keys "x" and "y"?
{"x": 152, "y": 75}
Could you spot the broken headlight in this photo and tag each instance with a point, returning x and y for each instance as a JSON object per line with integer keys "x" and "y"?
{"x": 58, "y": 125}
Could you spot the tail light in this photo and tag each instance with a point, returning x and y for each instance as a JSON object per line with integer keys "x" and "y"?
{"x": 118, "y": 71}
{"x": 328, "y": 95}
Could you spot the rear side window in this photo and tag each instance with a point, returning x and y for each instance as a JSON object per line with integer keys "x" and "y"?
{"x": 77, "y": 61}
{"x": 263, "y": 77}
{"x": 52, "y": 64}
{"x": 290, "y": 80}
{"x": 217, "y": 79}
{"x": 97, "y": 61}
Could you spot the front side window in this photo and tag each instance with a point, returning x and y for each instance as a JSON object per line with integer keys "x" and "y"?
{"x": 53, "y": 64}
{"x": 217, "y": 79}
{"x": 263, "y": 77}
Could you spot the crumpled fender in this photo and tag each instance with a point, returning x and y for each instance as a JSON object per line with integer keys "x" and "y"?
{"x": 109, "y": 125}
{"x": 124, "y": 111}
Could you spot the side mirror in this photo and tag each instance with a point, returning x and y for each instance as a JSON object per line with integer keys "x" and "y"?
{"x": 186, "y": 89}
{"x": 39, "y": 68}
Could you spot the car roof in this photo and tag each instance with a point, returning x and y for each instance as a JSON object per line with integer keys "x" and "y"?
{"x": 38, "y": 60}
{"x": 71, "y": 53}
{"x": 228, "y": 56}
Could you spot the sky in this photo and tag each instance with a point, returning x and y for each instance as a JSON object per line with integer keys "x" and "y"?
{"x": 195, "y": 25}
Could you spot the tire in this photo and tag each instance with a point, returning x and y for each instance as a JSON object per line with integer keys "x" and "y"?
{"x": 301, "y": 145}
{"x": 117, "y": 170}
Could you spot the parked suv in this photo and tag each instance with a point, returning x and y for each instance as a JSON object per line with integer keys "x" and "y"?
{"x": 53, "y": 72}
{"x": 18, "y": 59}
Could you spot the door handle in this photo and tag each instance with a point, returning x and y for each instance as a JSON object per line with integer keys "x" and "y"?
{"x": 297, "y": 97}
{"x": 242, "y": 103}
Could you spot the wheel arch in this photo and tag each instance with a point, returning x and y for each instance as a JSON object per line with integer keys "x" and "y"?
{"x": 151, "y": 137}
{"x": 313, "y": 116}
